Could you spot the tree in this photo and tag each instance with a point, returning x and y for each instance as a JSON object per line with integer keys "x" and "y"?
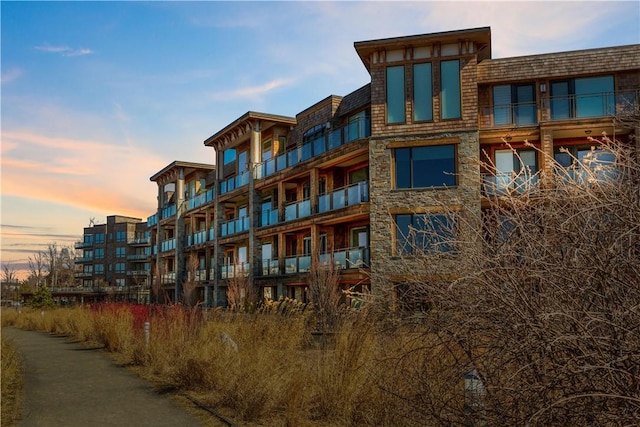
{"x": 540, "y": 319}
{"x": 37, "y": 266}
{"x": 42, "y": 298}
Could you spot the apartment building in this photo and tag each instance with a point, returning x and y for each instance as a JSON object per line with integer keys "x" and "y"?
{"x": 344, "y": 181}
{"x": 115, "y": 257}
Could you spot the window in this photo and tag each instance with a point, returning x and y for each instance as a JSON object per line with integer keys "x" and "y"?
{"x": 120, "y": 267}
{"x": 88, "y": 239}
{"x": 88, "y": 255}
{"x": 87, "y": 269}
{"x": 429, "y": 166}
{"x": 395, "y": 94}
{"x": 121, "y": 236}
{"x": 515, "y": 170}
{"x": 120, "y": 282}
{"x": 313, "y": 133}
{"x": 99, "y": 253}
{"x": 585, "y": 163}
{"x": 585, "y": 97}
{"x": 229, "y": 156}
{"x": 426, "y": 233}
{"x": 514, "y": 104}
{"x": 120, "y": 252}
{"x": 99, "y": 238}
{"x": 450, "y": 90}
{"x": 422, "y": 92}
{"x": 98, "y": 268}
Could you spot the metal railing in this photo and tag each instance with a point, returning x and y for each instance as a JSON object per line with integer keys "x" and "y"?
{"x": 235, "y": 270}
{"x": 501, "y": 184}
{"x": 201, "y": 199}
{"x": 342, "y": 259}
{"x": 168, "y": 211}
{"x": 234, "y": 182}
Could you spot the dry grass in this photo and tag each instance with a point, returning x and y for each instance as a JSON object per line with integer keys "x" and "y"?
{"x": 258, "y": 369}
{"x": 12, "y": 381}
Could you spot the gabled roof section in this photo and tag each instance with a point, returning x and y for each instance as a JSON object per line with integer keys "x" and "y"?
{"x": 480, "y": 36}
{"x": 169, "y": 172}
{"x": 243, "y": 126}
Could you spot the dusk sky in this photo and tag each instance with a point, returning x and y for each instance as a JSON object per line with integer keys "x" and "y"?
{"x": 98, "y": 96}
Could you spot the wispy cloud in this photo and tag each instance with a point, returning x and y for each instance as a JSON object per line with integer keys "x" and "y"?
{"x": 10, "y": 75}
{"x": 65, "y": 50}
{"x": 251, "y": 91}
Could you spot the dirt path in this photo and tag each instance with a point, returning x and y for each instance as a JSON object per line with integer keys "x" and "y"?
{"x": 67, "y": 384}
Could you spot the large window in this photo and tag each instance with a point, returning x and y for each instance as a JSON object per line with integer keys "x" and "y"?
{"x": 99, "y": 253}
{"x": 98, "y": 269}
{"x": 424, "y": 233}
{"x": 585, "y": 97}
{"x": 229, "y": 156}
{"x": 99, "y": 238}
{"x": 450, "y": 90}
{"x": 422, "y": 92}
{"x": 429, "y": 166}
{"x": 121, "y": 236}
{"x": 395, "y": 94}
{"x": 120, "y": 267}
{"x": 514, "y": 104}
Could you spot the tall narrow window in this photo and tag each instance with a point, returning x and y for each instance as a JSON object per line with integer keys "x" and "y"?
{"x": 395, "y": 94}
{"x": 450, "y": 89}
{"x": 422, "y": 92}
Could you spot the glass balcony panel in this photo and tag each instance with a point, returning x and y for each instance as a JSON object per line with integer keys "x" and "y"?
{"x": 281, "y": 162}
{"x": 325, "y": 259}
{"x": 339, "y": 200}
{"x": 324, "y": 203}
{"x": 291, "y": 265}
{"x": 319, "y": 146}
{"x": 293, "y": 157}
{"x": 304, "y": 263}
{"x": 335, "y": 139}
{"x": 306, "y": 152}
{"x": 212, "y": 234}
{"x": 340, "y": 259}
{"x": 304, "y": 208}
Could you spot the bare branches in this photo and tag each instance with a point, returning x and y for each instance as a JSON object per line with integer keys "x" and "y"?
{"x": 545, "y": 304}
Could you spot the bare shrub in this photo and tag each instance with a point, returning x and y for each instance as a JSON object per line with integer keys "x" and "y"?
{"x": 190, "y": 284}
{"x": 242, "y": 295}
{"x": 325, "y": 294}
{"x": 544, "y": 307}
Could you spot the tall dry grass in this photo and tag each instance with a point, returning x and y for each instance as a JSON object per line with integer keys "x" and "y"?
{"x": 257, "y": 368}
{"x": 12, "y": 382}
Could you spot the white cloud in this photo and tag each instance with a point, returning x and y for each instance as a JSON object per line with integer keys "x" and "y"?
{"x": 251, "y": 91}
{"x": 64, "y": 50}
{"x": 10, "y": 75}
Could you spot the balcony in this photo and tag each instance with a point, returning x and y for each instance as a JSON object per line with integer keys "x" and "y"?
{"x": 137, "y": 257}
{"x": 198, "y": 238}
{"x": 83, "y": 245}
{"x": 270, "y": 267}
{"x": 168, "y": 278}
{"x": 297, "y": 210}
{"x": 353, "y": 131}
{"x": 269, "y": 217}
{"x": 234, "y": 226}
{"x": 554, "y": 108}
{"x": 509, "y": 115}
{"x": 168, "y": 245}
{"x": 347, "y": 259}
{"x": 343, "y": 259}
{"x": 83, "y": 274}
{"x": 83, "y": 259}
{"x": 235, "y": 270}
{"x": 152, "y": 220}
{"x": 297, "y": 264}
{"x": 234, "y": 182}
{"x": 168, "y": 211}
{"x": 342, "y": 197}
{"x": 501, "y": 184}
{"x": 201, "y": 199}
{"x": 138, "y": 273}
{"x": 140, "y": 241}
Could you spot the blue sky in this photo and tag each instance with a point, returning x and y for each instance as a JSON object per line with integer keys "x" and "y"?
{"x": 98, "y": 96}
